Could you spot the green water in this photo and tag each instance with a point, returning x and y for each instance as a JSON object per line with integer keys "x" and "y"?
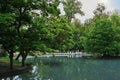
{"x": 72, "y": 69}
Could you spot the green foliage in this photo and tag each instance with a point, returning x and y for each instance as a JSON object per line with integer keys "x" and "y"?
{"x": 7, "y": 31}
{"x": 54, "y": 33}
{"x": 17, "y": 32}
{"x": 63, "y": 39}
{"x": 115, "y": 19}
{"x": 49, "y": 8}
{"x": 78, "y": 31}
{"x": 101, "y": 39}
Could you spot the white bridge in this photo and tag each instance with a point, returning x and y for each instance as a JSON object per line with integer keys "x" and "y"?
{"x": 70, "y": 54}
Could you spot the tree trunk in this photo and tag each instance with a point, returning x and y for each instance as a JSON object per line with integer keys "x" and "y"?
{"x": 18, "y": 56}
{"x": 24, "y": 55}
{"x": 11, "y": 59}
{"x": 23, "y": 59}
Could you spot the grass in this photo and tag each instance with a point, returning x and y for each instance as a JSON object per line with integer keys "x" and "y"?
{"x": 4, "y": 61}
{"x": 7, "y": 60}
{"x": 15, "y": 62}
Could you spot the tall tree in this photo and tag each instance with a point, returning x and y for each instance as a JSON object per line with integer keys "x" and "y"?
{"x": 72, "y": 7}
{"x": 23, "y": 20}
{"x": 25, "y": 12}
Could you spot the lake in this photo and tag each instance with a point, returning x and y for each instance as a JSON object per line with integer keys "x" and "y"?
{"x": 71, "y": 69}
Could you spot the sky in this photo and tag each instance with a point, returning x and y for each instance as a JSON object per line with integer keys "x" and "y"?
{"x": 89, "y": 5}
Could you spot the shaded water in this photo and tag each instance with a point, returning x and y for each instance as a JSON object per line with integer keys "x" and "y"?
{"x": 71, "y": 69}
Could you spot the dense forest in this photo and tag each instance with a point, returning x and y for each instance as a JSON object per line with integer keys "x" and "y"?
{"x": 28, "y": 26}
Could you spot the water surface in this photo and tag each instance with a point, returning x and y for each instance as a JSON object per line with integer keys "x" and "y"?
{"x": 71, "y": 69}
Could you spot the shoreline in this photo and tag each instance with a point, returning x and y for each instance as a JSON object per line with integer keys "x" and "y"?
{"x": 6, "y": 72}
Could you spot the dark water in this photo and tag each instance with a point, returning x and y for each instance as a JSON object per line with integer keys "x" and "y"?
{"x": 71, "y": 69}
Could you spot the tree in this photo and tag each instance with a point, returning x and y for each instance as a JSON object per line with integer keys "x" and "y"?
{"x": 26, "y": 18}
{"x": 72, "y": 7}
{"x": 19, "y": 27}
{"x": 101, "y": 39}
{"x": 23, "y": 21}
{"x": 8, "y": 35}
{"x": 100, "y": 12}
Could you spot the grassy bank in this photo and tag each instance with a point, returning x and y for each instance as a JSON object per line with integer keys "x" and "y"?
{"x": 6, "y": 60}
